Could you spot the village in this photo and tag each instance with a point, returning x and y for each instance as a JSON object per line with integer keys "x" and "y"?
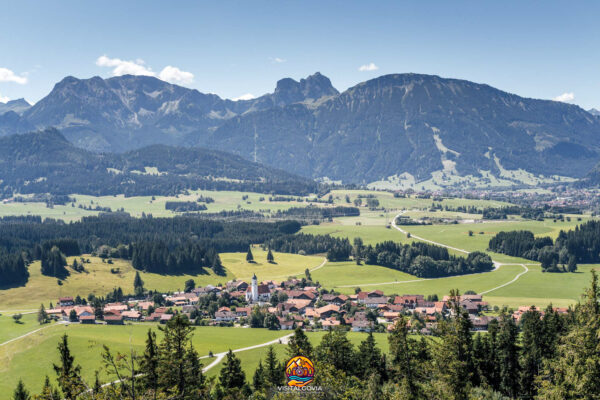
{"x": 284, "y": 305}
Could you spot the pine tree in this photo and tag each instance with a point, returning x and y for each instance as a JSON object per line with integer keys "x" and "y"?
{"x": 258, "y": 380}
{"x": 68, "y": 374}
{"x": 149, "y": 364}
{"x": 299, "y": 345}
{"x": 532, "y": 342}
{"x": 406, "y": 366}
{"x": 453, "y": 355}
{"x": 20, "y": 392}
{"x": 42, "y": 316}
{"x": 335, "y": 349}
{"x": 231, "y": 375}
{"x": 508, "y": 356}
{"x": 173, "y": 350}
{"x": 273, "y": 370}
{"x": 369, "y": 358}
{"x": 270, "y": 257}
{"x": 48, "y": 392}
{"x": 249, "y": 256}
{"x": 575, "y": 371}
{"x": 138, "y": 284}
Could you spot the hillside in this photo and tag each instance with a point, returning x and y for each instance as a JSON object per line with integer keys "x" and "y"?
{"x": 45, "y": 162}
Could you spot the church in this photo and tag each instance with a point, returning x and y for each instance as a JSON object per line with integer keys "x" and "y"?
{"x": 257, "y": 293}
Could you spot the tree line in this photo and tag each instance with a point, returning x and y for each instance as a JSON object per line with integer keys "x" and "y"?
{"x": 421, "y": 259}
{"x": 580, "y": 245}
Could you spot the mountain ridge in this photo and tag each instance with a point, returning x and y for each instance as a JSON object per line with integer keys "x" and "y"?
{"x": 394, "y": 127}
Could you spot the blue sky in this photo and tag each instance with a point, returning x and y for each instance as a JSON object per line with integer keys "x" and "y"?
{"x": 540, "y": 49}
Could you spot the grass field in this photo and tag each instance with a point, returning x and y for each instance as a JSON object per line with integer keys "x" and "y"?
{"x": 99, "y": 280}
{"x": 9, "y": 329}
{"x": 31, "y": 358}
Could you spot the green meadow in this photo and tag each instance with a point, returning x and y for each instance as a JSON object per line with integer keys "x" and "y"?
{"x": 31, "y": 357}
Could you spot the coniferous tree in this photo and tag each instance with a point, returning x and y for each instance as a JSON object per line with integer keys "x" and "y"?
{"x": 335, "y": 349}
{"x": 407, "y": 368}
{"x": 574, "y": 373}
{"x": 299, "y": 345}
{"x": 532, "y": 344}
{"x": 270, "y": 257}
{"x": 369, "y": 359}
{"x": 231, "y": 375}
{"x": 508, "y": 356}
{"x": 273, "y": 370}
{"x": 149, "y": 364}
{"x": 20, "y": 392}
{"x": 249, "y": 255}
{"x": 68, "y": 374}
{"x": 258, "y": 380}
{"x": 173, "y": 364}
{"x": 453, "y": 355}
{"x": 138, "y": 284}
{"x": 42, "y": 315}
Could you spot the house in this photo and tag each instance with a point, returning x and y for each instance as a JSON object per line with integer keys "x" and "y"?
{"x": 115, "y": 307}
{"x": 113, "y": 318}
{"x": 164, "y": 318}
{"x": 87, "y": 319}
{"x": 362, "y": 296}
{"x": 327, "y": 311}
{"x": 299, "y": 304}
{"x": 330, "y": 322}
{"x": 337, "y": 299}
{"x": 225, "y": 315}
{"x": 360, "y": 325}
{"x": 480, "y": 323}
{"x": 409, "y": 300}
{"x": 243, "y": 311}
{"x": 235, "y": 285}
{"x": 144, "y": 305}
{"x": 286, "y": 325}
{"x": 65, "y": 301}
{"x": 300, "y": 294}
{"x": 374, "y": 302}
{"x": 131, "y": 315}
{"x": 80, "y": 311}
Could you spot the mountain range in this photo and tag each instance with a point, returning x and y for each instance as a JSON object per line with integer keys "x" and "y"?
{"x": 400, "y": 126}
{"x": 45, "y": 162}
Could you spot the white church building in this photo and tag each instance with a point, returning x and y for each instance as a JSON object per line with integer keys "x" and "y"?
{"x": 257, "y": 293}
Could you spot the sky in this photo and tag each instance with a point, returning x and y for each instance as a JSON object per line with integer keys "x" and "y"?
{"x": 240, "y": 49}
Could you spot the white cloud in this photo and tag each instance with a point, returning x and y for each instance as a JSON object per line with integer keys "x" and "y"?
{"x": 368, "y": 67}
{"x": 565, "y": 97}
{"x": 175, "y": 75}
{"x": 122, "y": 67}
{"x": 138, "y": 67}
{"x": 4, "y": 99}
{"x": 247, "y": 96}
{"x": 279, "y": 60}
{"x": 6, "y": 75}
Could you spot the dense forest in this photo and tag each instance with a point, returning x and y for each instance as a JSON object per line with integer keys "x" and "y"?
{"x": 547, "y": 355}
{"x": 422, "y": 259}
{"x": 581, "y": 245}
{"x": 26, "y": 168}
{"x": 317, "y": 213}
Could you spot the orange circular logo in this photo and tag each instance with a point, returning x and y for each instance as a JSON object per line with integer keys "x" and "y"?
{"x": 299, "y": 371}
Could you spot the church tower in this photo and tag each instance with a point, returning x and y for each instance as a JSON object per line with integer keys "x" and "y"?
{"x": 254, "y": 289}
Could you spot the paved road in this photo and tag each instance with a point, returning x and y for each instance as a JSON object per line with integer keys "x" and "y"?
{"x": 218, "y": 357}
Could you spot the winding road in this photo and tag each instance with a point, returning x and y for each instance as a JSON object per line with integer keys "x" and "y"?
{"x": 497, "y": 264}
